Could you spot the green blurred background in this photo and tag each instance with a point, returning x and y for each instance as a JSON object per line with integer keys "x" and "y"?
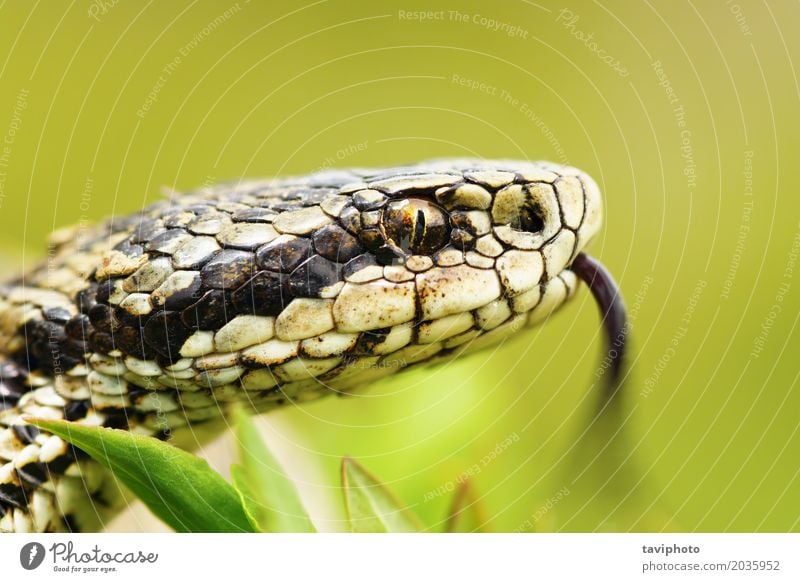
{"x": 685, "y": 112}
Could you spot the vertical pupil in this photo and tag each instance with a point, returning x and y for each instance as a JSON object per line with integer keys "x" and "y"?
{"x": 419, "y": 229}
{"x": 415, "y": 225}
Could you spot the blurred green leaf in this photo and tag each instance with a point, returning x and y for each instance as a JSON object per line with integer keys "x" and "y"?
{"x": 247, "y": 497}
{"x": 371, "y": 506}
{"x": 466, "y": 513}
{"x": 269, "y": 496}
{"x": 178, "y": 487}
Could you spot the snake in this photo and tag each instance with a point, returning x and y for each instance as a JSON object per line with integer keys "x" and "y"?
{"x": 274, "y": 292}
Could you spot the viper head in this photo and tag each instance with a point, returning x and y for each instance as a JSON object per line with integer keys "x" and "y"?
{"x": 292, "y": 287}
{"x": 486, "y": 246}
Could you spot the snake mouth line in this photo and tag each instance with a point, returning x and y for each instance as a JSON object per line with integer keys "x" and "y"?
{"x": 608, "y": 296}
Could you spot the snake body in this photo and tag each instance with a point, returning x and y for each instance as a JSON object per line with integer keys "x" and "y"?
{"x": 269, "y": 292}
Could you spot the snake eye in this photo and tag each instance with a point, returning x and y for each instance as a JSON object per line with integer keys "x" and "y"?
{"x": 416, "y": 226}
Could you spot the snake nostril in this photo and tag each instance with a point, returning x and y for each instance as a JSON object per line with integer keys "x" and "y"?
{"x": 529, "y": 219}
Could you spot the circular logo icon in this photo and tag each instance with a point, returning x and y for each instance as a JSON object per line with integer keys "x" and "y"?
{"x": 31, "y": 555}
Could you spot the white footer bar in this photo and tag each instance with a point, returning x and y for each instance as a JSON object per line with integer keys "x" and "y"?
{"x": 410, "y": 558}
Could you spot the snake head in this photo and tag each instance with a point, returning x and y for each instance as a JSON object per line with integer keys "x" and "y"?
{"x": 491, "y": 247}
{"x": 290, "y": 288}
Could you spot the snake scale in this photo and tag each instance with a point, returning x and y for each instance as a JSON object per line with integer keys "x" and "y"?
{"x": 271, "y": 292}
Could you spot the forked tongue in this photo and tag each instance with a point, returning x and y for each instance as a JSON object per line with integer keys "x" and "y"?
{"x": 612, "y": 310}
{"x": 608, "y": 490}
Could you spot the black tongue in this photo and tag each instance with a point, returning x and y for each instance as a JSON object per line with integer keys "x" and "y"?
{"x": 612, "y": 309}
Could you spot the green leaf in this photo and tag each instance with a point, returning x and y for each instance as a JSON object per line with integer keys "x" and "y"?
{"x": 465, "y": 514}
{"x": 247, "y": 497}
{"x": 268, "y": 495}
{"x": 178, "y": 487}
{"x": 370, "y": 506}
